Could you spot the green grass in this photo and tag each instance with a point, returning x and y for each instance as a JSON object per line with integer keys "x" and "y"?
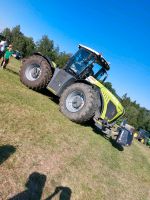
{"x": 36, "y": 137}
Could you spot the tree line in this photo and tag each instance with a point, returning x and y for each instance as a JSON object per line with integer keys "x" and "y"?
{"x": 136, "y": 115}
{"x": 26, "y": 45}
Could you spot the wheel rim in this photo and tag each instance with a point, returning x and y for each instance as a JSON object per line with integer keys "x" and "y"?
{"x": 75, "y": 101}
{"x": 33, "y": 72}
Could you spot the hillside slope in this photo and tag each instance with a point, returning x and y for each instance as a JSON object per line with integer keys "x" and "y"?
{"x": 36, "y": 139}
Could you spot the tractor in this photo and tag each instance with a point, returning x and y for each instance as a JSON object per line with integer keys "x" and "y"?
{"x": 79, "y": 85}
{"x": 143, "y": 137}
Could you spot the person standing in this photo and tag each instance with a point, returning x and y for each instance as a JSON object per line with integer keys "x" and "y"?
{"x": 3, "y": 45}
{"x": 8, "y": 53}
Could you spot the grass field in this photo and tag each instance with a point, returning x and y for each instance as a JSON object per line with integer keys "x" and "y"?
{"x": 43, "y": 153}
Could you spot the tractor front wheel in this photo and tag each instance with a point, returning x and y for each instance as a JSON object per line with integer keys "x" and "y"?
{"x": 78, "y": 102}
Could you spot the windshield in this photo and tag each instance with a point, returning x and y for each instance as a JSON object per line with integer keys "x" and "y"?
{"x": 80, "y": 61}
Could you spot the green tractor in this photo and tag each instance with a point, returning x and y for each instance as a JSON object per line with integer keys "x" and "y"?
{"x": 143, "y": 136}
{"x": 79, "y": 84}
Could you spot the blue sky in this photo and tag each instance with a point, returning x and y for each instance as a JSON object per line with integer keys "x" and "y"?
{"x": 118, "y": 29}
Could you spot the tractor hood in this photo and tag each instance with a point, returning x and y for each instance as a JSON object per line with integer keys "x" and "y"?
{"x": 112, "y": 108}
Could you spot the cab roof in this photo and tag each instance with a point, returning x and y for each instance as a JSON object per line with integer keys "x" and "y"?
{"x": 100, "y": 59}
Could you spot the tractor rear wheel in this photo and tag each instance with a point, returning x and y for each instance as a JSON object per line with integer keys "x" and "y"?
{"x": 78, "y": 102}
{"x": 35, "y": 72}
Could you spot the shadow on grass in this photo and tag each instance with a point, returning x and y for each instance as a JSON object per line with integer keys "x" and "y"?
{"x": 50, "y": 95}
{"x": 12, "y": 71}
{"x": 110, "y": 139}
{"x": 34, "y": 189}
{"x": 65, "y": 193}
{"x": 5, "y": 152}
{"x": 115, "y": 144}
{"x": 34, "y": 185}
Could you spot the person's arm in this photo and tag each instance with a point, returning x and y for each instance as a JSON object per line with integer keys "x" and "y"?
{"x": 14, "y": 55}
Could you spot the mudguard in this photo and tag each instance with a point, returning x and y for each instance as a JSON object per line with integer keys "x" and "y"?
{"x": 111, "y": 109}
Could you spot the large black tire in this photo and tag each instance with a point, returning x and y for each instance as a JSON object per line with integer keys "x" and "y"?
{"x": 79, "y": 102}
{"x": 35, "y": 72}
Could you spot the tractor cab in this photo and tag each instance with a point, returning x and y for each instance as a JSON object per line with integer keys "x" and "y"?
{"x": 87, "y": 62}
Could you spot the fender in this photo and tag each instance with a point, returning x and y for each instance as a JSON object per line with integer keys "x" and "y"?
{"x": 52, "y": 64}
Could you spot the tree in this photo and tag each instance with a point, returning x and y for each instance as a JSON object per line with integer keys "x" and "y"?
{"x": 18, "y": 40}
{"x": 132, "y": 116}
{"x": 22, "y": 43}
{"x": 126, "y": 101}
{"x": 29, "y": 46}
{"x": 62, "y": 59}
{"x": 137, "y": 116}
{"x": 7, "y": 33}
{"x": 46, "y": 47}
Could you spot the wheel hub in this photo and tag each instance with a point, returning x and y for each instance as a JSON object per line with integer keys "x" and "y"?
{"x": 33, "y": 72}
{"x": 75, "y": 101}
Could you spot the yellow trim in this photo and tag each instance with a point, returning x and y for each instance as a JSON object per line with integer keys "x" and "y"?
{"x": 107, "y": 96}
{"x": 54, "y": 64}
{"x": 142, "y": 141}
{"x": 135, "y": 134}
{"x": 51, "y": 90}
